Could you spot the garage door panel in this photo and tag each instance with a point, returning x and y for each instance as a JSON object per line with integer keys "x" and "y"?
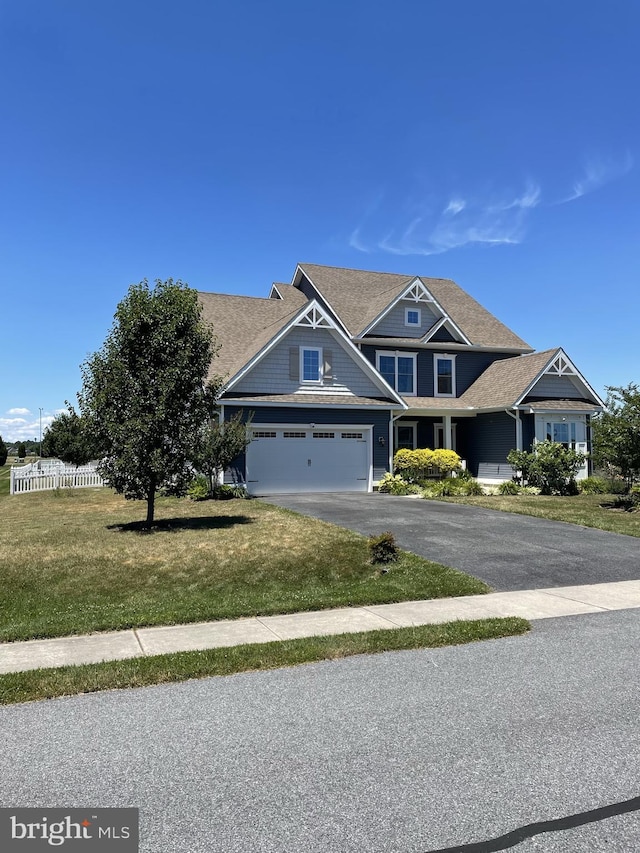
{"x": 324, "y": 459}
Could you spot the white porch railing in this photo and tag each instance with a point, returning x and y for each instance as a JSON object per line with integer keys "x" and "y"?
{"x": 52, "y": 474}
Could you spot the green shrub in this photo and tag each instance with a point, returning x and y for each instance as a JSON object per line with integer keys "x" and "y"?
{"x": 470, "y": 487}
{"x": 617, "y": 486}
{"x": 413, "y": 465}
{"x": 198, "y": 489}
{"x": 383, "y": 548}
{"x": 550, "y": 466}
{"x": 444, "y": 488}
{"x": 227, "y": 493}
{"x": 508, "y": 488}
{"x": 393, "y": 484}
{"x": 594, "y": 486}
{"x": 446, "y": 461}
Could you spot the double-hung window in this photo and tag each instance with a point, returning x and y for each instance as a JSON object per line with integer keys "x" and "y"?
{"x": 399, "y": 370}
{"x": 444, "y": 375}
{"x": 311, "y": 364}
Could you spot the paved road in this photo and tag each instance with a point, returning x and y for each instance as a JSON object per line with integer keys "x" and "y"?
{"x": 408, "y": 752}
{"x": 507, "y": 551}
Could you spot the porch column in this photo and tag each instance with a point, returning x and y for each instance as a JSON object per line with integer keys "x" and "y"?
{"x": 446, "y": 429}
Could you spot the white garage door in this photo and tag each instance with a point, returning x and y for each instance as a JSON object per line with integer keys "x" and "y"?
{"x": 302, "y": 459}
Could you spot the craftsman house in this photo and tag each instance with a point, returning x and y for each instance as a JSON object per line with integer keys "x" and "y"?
{"x": 342, "y": 367}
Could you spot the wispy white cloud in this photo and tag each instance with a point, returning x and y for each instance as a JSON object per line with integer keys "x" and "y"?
{"x": 455, "y": 206}
{"x": 19, "y": 411}
{"x": 496, "y": 221}
{"x": 597, "y": 172}
{"x": 356, "y": 243}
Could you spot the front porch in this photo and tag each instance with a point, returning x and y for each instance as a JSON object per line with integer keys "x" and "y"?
{"x": 483, "y": 440}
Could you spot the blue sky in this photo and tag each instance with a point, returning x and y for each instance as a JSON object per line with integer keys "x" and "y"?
{"x": 495, "y": 143}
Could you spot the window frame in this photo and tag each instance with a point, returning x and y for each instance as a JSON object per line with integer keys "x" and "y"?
{"x": 413, "y": 426}
{"x": 443, "y": 356}
{"x": 406, "y": 317}
{"x": 318, "y": 350}
{"x": 395, "y": 354}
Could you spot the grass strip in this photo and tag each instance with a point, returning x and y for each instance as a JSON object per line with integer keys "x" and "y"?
{"x": 162, "y": 669}
{"x": 596, "y": 511}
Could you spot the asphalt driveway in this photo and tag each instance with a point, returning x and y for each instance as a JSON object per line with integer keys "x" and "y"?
{"x": 507, "y": 551}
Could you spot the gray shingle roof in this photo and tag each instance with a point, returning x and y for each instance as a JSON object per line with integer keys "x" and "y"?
{"x": 359, "y": 296}
{"x": 506, "y": 380}
{"x": 244, "y": 324}
{"x": 324, "y": 399}
{"x": 557, "y": 405}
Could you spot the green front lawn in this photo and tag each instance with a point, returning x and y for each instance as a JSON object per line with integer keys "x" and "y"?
{"x": 74, "y": 561}
{"x": 585, "y": 510}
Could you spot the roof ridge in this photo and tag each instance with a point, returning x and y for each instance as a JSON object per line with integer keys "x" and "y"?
{"x": 358, "y": 269}
{"x": 236, "y": 296}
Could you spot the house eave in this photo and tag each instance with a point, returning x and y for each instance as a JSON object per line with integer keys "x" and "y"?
{"x": 248, "y": 402}
{"x": 438, "y": 345}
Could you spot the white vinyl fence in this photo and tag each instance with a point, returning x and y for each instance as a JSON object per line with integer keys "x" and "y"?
{"x": 50, "y": 474}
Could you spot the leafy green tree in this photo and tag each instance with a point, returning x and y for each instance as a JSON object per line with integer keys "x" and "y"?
{"x": 616, "y": 432}
{"x": 144, "y": 395}
{"x": 68, "y": 439}
{"x": 4, "y": 452}
{"x": 22, "y": 450}
{"x": 550, "y": 466}
{"x": 219, "y": 444}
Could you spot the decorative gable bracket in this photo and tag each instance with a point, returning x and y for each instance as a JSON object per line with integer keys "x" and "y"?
{"x": 314, "y": 318}
{"x": 561, "y": 366}
{"x": 417, "y": 292}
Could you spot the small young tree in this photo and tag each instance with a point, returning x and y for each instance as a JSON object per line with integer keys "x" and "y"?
{"x": 219, "y": 444}
{"x": 4, "y": 452}
{"x": 22, "y": 450}
{"x": 144, "y": 395}
{"x": 616, "y": 432}
{"x": 67, "y": 438}
{"x": 549, "y": 466}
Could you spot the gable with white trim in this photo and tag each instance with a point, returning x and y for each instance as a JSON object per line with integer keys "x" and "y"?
{"x": 561, "y": 380}
{"x": 415, "y": 313}
{"x": 279, "y": 371}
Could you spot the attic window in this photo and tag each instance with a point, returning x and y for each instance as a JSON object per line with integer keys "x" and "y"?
{"x": 412, "y": 316}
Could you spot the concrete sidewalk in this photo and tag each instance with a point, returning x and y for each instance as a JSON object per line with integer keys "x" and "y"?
{"x": 529, "y": 604}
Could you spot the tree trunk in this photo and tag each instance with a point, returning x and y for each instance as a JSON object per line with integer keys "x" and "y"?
{"x": 151, "y": 499}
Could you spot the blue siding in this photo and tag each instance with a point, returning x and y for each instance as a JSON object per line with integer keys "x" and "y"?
{"x": 490, "y": 439}
{"x": 443, "y": 335}
{"x": 378, "y": 418}
{"x": 528, "y": 431}
{"x": 469, "y": 366}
